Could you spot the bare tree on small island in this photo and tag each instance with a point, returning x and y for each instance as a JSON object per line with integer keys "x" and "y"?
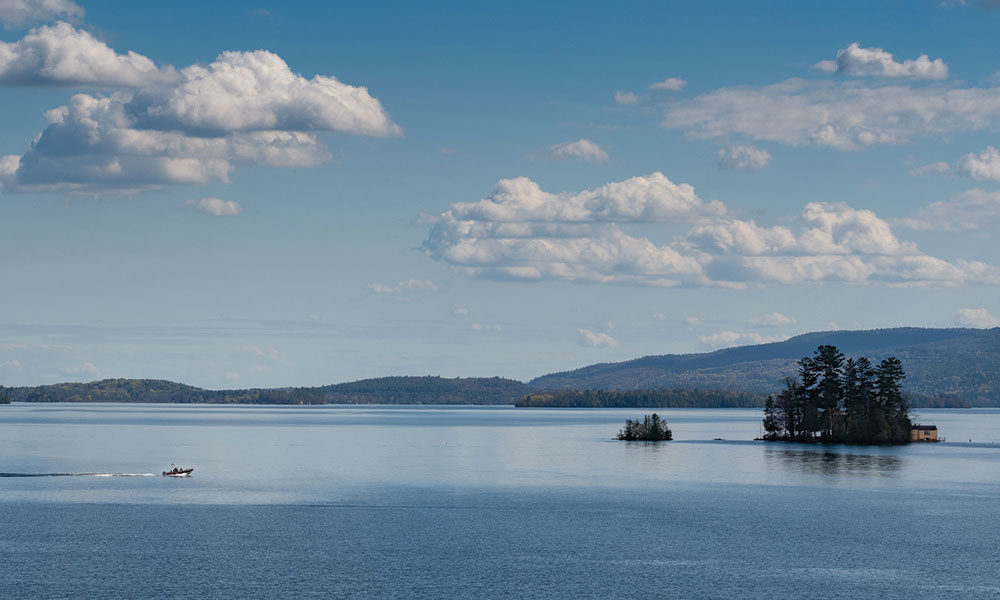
{"x": 834, "y": 400}
{"x": 651, "y": 429}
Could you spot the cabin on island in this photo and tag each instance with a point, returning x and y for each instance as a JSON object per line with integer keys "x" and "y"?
{"x": 923, "y": 433}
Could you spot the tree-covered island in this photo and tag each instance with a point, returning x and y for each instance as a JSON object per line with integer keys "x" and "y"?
{"x": 651, "y": 429}
{"x": 843, "y": 401}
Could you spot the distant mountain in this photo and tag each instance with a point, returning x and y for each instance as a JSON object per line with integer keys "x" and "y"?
{"x": 940, "y": 364}
{"x": 945, "y": 367}
{"x": 384, "y": 390}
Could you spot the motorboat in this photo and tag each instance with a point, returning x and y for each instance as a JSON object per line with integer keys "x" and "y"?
{"x": 176, "y": 471}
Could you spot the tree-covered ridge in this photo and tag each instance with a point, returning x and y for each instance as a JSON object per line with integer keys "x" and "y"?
{"x": 651, "y": 429}
{"x": 385, "y": 390}
{"x": 426, "y": 390}
{"x": 838, "y": 400}
{"x": 678, "y": 398}
{"x": 949, "y": 367}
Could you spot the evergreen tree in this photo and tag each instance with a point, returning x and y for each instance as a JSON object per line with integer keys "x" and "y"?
{"x": 889, "y": 376}
{"x": 651, "y": 429}
{"x": 843, "y": 401}
{"x": 772, "y": 421}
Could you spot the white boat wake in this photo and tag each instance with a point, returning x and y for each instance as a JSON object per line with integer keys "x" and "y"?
{"x": 77, "y": 474}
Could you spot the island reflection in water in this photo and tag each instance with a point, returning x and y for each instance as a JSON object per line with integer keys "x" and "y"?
{"x": 819, "y": 462}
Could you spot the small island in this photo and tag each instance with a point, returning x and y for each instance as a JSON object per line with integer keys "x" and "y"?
{"x": 651, "y": 429}
{"x": 840, "y": 401}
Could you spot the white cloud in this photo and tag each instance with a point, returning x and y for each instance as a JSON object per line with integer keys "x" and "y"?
{"x": 481, "y": 327}
{"x": 673, "y": 84}
{"x": 462, "y": 311}
{"x": 596, "y": 340}
{"x": 660, "y": 316}
{"x": 87, "y": 369}
{"x": 979, "y": 318}
{"x": 970, "y": 210}
{"x": 726, "y": 339}
{"x": 743, "y": 156}
{"x": 693, "y": 320}
{"x": 644, "y": 199}
{"x": 938, "y": 167}
{"x": 256, "y": 91}
{"x": 17, "y": 13}
{"x": 190, "y": 126}
{"x": 11, "y": 365}
{"x": 583, "y": 148}
{"x": 775, "y": 319}
{"x": 876, "y": 62}
{"x": 523, "y": 233}
{"x": 845, "y": 115}
{"x": 626, "y": 98}
{"x": 232, "y": 375}
{"x": 985, "y": 165}
{"x": 409, "y": 284}
{"x": 217, "y": 207}
{"x": 61, "y": 54}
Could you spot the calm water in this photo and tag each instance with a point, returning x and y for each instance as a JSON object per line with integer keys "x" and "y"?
{"x": 363, "y": 502}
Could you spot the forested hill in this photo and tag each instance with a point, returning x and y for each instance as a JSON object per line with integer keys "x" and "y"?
{"x": 384, "y": 390}
{"x": 939, "y": 363}
{"x": 944, "y": 367}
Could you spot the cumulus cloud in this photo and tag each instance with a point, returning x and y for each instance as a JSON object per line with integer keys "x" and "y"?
{"x": 257, "y": 91}
{"x": 984, "y": 166}
{"x": 970, "y": 210}
{"x": 521, "y": 232}
{"x": 979, "y": 318}
{"x": 402, "y": 286}
{"x": 63, "y": 55}
{"x": 876, "y": 62}
{"x": 582, "y": 148}
{"x": 672, "y": 84}
{"x": 775, "y": 319}
{"x": 626, "y": 98}
{"x": 648, "y": 198}
{"x": 844, "y": 115}
{"x": 168, "y": 127}
{"x": 17, "y": 13}
{"x": 726, "y": 339}
{"x": 745, "y": 157}
{"x": 217, "y": 207}
{"x": 596, "y": 340}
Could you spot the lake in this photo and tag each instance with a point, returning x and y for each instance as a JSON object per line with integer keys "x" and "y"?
{"x": 484, "y": 502}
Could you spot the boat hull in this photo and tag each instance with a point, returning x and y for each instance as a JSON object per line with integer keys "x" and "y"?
{"x": 178, "y": 473}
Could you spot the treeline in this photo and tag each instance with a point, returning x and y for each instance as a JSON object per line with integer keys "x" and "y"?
{"x": 426, "y": 390}
{"x": 678, "y": 398}
{"x": 159, "y": 391}
{"x": 385, "y": 390}
{"x": 4, "y": 396}
{"x": 838, "y": 400}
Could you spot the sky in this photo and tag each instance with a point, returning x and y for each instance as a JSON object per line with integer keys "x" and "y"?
{"x": 232, "y": 195}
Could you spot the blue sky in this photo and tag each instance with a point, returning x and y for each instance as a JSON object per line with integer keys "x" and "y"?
{"x": 237, "y": 195}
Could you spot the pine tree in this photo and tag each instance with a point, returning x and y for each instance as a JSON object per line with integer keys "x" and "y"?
{"x": 772, "y": 422}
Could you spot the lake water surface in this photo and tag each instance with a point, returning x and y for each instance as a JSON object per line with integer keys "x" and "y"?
{"x": 462, "y": 502}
